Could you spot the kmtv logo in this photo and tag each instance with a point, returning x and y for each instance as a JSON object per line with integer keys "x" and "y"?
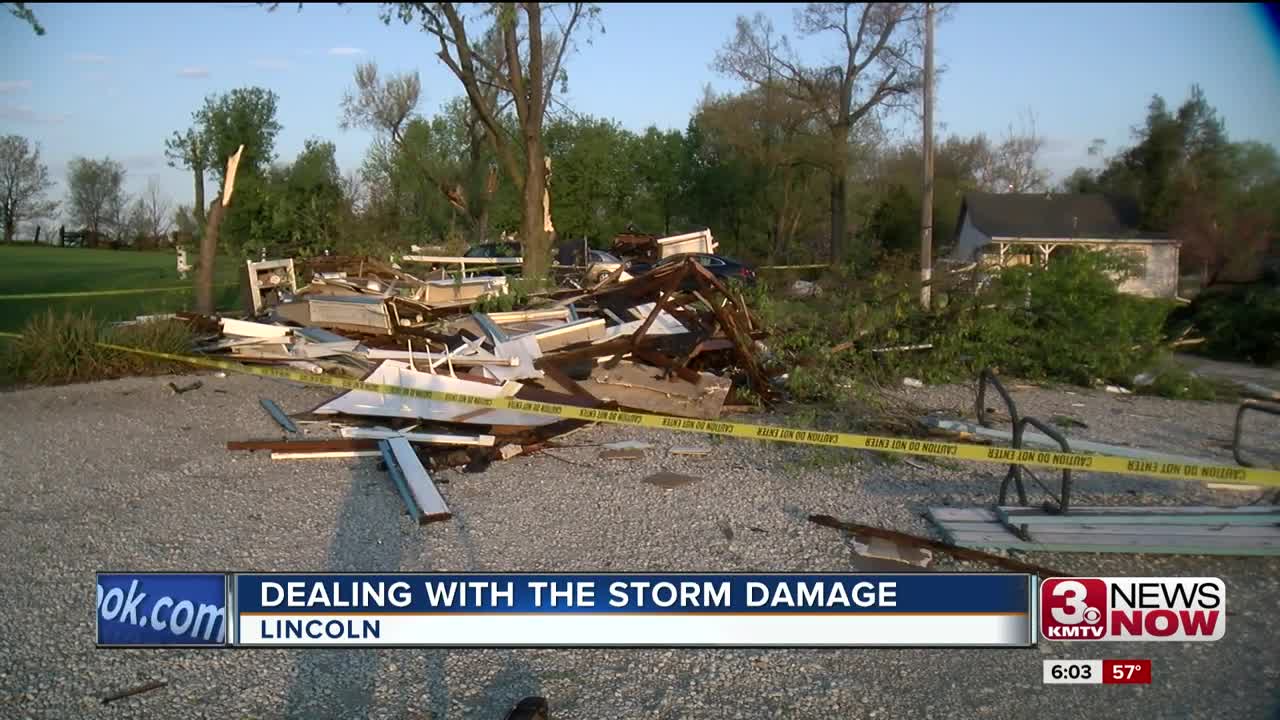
{"x": 1148, "y": 609}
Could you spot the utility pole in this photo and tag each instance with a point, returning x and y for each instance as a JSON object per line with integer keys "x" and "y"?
{"x": 926, "y": 197}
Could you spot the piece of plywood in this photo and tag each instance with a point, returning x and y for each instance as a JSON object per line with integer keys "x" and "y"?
{"x": 358, "y": 311}
{"x": 642, "y": 387}
{"x": 1188, "y": 515}
{"x": 425, "y": 494}
{"x": 392, "y": 372}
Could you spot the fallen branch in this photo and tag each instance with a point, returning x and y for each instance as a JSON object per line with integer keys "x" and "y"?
{"x": 146, "y": 687}
{"x": 956, "y": 552}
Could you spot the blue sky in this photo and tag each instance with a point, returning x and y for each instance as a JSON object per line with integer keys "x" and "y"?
{"x": 117, "y": 79}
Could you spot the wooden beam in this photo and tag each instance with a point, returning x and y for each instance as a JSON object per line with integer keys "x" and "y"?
{"x": 425, "y": 494}
{"x": 302, "y": 445}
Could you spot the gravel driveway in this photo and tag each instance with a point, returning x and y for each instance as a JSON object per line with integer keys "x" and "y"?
{"x": 126, "y": 475}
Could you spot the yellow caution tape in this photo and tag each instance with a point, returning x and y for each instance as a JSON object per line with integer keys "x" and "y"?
{"x": 94, "y": 293}
{"x": 900, "y": 446}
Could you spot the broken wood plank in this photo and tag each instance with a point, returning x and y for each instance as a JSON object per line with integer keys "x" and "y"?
{"x": 244, "y": 328}
{"x": 434, "y": 438}
{"x": 278, "y": 415}
{"x": 522, "y": 316}
{"x": 959, "y": 553}
{"x": 1187, "y": 515}
{"x": 397, "y": 479}
{"x": 136, "y": 690}
{"x": 302, "y": 445}
{"x": 425, "y": 494}
{"x": 569, "y": 334}
{"x": 324, "y": 455}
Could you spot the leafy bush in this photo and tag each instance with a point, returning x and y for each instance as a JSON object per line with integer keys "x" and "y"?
{"x": 57, "y": 349}
{"x": 1238, "y": 323}
{"x": 1066, "y": 323}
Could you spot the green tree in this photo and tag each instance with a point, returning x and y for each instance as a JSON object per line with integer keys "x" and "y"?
{"x": 96, "y": 197}
{"x": 244, "y": 116}
{"x": 878, "y": 45}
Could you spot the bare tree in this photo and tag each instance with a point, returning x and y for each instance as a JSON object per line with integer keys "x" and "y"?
{"x": 387, "y": 106}
{"x": 1015, "y": 162}
{"x": 24, "y": 180}
{"x": 876, "y": 67}
{"x": 96, "y": 195}
{"x": 535, "y": 39}
{"x": 151, "y": 215}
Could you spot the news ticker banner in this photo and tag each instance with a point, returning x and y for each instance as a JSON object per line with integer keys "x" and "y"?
{"x": 566, "y": 610}
{"x": 650, "y": 610}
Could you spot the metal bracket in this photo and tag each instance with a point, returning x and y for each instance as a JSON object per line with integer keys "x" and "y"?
{"x": 1259, "y": 405}
{"x": 1061, "y": 502}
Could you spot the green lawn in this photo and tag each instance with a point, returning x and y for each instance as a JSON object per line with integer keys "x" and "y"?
{"x": 25, "y": 270}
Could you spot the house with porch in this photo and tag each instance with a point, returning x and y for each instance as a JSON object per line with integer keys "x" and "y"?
{"x": 1002, "y": 229}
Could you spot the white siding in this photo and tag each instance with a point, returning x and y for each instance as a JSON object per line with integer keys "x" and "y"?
{"x": 969, "y": 240}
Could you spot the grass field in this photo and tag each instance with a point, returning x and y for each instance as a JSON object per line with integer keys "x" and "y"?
{"x": 30, "y": 270}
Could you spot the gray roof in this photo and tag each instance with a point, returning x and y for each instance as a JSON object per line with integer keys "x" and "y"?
{"x": 1055, "y": 215}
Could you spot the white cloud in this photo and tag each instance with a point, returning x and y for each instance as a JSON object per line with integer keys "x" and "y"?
{"x": 271, "y": 64}
{"x": 194, "y": 72}
{"x": 345, "y": 51}
{"x": 91, "y": 58}
{"x": 11, "y": 86}
{"x": 25, "y": 114}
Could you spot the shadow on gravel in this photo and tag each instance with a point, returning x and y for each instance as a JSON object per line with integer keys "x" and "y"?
{"x": 342, "y": 683}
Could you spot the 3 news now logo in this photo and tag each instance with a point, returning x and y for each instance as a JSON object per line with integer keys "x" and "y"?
{"x": 1150, "y": 609}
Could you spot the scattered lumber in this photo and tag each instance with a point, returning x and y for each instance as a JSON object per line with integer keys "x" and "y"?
{"x": 1128, "y": 530}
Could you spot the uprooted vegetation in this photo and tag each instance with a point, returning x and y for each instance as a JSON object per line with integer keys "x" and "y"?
{"x": 1240, "y": 323}
{"x": 1068, "y": 323}
{"x": 55, "y": 349}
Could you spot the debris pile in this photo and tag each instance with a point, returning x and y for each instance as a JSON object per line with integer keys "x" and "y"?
{"x": 673, "y": 341}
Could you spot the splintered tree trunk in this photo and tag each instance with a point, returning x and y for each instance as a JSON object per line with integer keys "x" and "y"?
{"x": 198, "y": 172}
{"x": 537, "y": 244}
{"x": 208, "y": 250}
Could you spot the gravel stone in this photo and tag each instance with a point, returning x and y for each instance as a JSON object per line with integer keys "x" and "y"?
{"x": 125, "y": 475}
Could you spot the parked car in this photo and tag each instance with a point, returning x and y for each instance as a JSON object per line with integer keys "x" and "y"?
{"x": 600, "y": 264}
{"x": 496, "y": 250}
{"x": 722, "y": 267}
